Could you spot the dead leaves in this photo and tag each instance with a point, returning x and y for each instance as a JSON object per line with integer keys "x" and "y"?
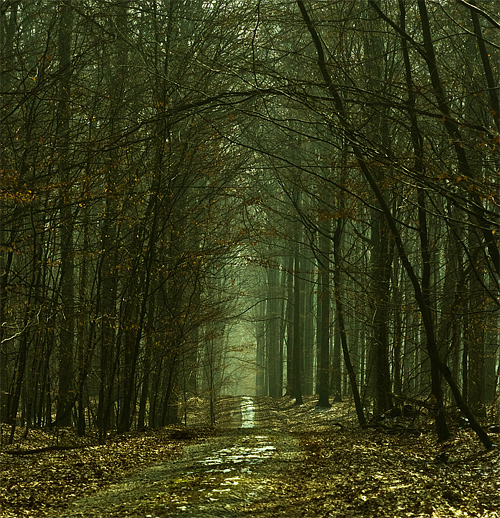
{"x": 36, "y": 484}
{"x": 360, "y": 473}
{"x": 339, "y": 471}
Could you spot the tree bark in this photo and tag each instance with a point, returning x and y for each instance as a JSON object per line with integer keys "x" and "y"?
{"x": 67, "y": 326}
{"x": 339, "y": 308}
{"x": 324, "y": 318}
{"x": 297, "y": 349}
{"x": 437, "y": 390}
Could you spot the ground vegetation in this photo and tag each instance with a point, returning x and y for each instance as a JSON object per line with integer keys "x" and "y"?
{"x": 313, "y": 463}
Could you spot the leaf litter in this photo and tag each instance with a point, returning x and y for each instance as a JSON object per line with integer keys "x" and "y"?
{"x": 297, "y": 461}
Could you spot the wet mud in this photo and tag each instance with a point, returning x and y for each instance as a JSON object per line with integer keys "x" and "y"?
{"x": 242, "y": 472}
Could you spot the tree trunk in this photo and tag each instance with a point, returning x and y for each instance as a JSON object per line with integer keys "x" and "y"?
{"x": 273, "y": 335}
{"x": 8, "y": 22}
{"x": 260, "y": 337}
{"x": 65, "y": 399}
{"x": 308, "y": 331}
{"x": 417, "y": 141}
{"x": 323, "y": 326}
{"x": 297, "y": 348}
{"x": 339, "y": 307}
{"x": 381, "y": 240}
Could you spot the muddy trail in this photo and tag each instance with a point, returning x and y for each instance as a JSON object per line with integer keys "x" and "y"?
{"x": 233, "y": 474}
{"x": 264, "y": 458}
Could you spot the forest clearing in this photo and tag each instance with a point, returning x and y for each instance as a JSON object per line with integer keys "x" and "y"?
{"x": 294, "y": 461}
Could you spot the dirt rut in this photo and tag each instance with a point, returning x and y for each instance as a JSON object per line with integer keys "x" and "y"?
{"x": 241, "y": 472}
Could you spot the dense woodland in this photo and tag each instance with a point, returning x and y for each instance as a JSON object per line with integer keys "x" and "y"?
{"x": 325, "y": 172}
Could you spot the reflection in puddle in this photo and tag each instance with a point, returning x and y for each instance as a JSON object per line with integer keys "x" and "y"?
{"x": 230, "y": 476}
{"x": 236, "y": 465}
{"x": 229, "y": 473}
{"x": 232, "y": 481}
{"x": 247, "y": 413}
{"x": 237, "y": 455}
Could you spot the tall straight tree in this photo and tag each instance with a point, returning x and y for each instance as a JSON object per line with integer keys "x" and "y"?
{"x": 298, "y": 304}
{"x": 378, "y": 66}
{"x": 417, "y": 141}
{"x": 324, "y": 315}
{"x": 113, "y": 65}
{"x": 274, "y": 356}
{"x": 67, "y": 277}
{"x": 8, "y": 22}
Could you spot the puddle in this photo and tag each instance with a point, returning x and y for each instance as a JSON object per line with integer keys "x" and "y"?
{"x": 226, "y": 460}
{"x": 225, "y": 476}
{"x": 250, "y": 449}
{"x": 247, "y": 412}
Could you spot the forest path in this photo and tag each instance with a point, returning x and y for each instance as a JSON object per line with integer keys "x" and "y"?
{"x": 241, "y": 472}
{"x": 265, "y": 458}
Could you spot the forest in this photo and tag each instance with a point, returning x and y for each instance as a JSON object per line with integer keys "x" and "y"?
{"x": 268, "y": 198}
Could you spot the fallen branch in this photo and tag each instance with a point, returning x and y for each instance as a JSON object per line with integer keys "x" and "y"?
{"x": 41, "y": 450}
{"x": 395, "y": 429}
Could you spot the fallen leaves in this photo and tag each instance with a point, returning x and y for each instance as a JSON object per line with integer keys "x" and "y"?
{"x": 46, "y": 479}
{"x": 340, "y": 471}
{"x": 357, "y": 472}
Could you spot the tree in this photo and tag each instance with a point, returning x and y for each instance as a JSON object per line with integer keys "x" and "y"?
{"x": 169, "y": 167}
{"x": 419, "y": 289}
{"x": 324, "y": 319}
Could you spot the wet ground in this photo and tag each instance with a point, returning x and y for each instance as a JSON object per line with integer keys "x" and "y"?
{"x": 265, "y": 458}
{"x": 235, "y": 474}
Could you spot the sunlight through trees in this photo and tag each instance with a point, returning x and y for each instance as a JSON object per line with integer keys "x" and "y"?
{"x": 203, "y": 198}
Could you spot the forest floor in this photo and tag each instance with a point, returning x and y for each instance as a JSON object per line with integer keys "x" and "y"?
{"x": 276, "y": 459}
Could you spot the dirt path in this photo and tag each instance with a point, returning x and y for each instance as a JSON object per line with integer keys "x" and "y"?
{"x": 232, "y": 475}
{"x": 265, "y": 458}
